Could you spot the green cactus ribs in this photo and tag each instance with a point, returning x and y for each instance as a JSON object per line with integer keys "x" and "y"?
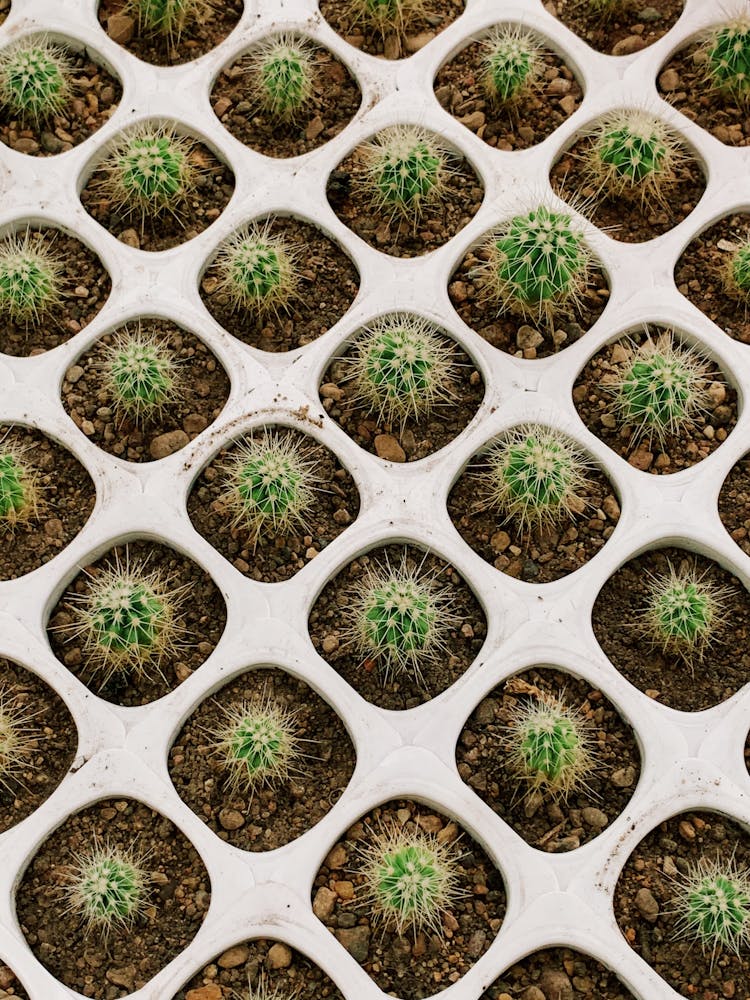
{"x": 512, "y": 64}
{"x": 727, "y": 55}
{"x": 35, "y": 79}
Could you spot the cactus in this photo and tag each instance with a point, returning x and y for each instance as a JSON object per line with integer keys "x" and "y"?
{"x": 17, "y": 741}
{"x": 282, "y": 74}
{"x": 405, "y": 170}
{"x": 35, "y": 80}
{"x": 20, "y": 495}
{"x": 634, "y": 155}
{"x": 536, "y": 263}
{"x": 736, "y": 273}
{"x": 30, "y": 279}
{"x": 106, "y": 888}
{"x": 401, "y": 367}
{"x": 727, "y": 55}
{"x": 169, "y": 17}
{"x": 712, "y": 903}
{"x": 683, "y": 612}
{"x": 535, "y": 476}
{"x": 512, "y": 64}
{"x": 386, "y": 15}
{"x": 257, "y": 270}
{"x": 140, "y": 374}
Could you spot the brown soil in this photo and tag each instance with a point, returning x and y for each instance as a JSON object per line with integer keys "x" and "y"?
{"x": 85, "y": 288}
{"x": 214, "y": 186}
{"x": 50, "y": 727}
{"x": 194, "y": 41}
{"x": 636, "y": 25}
{"x": 202, "y": 614}
{"x": 557, "y": 973}
{"x": 332, "y": 104}
{"x": 596, "y": 407}
{"x": 462, "y": 197}
{"x": 644, "y": 901}
{"x": 539, "y": 555}
{"x": 627, "y": 219}
{"x": 259, "y": 961}
{"x": 699, "y": 275}
{"x": 665, "y": 676}
{"x": 178, "y": 896}
{"x": 682, "y": 82}
{"x": 66, "y": 499}
{"x": 328, "y": 284}
{"x": 555, "y": 96}
{"x": 734, "y": 503}
{"x": 410, "y": 439}
{"x": 4, "y": 11}
{"x": 523, "y": 336}
{"x": 544, "y": 820}
{"x": 273, "y": 816}
{"x": 410, "y": 965}
{"x": 277, "y": 557}
{"x": 417, "y": 32}
{"x": 328, "y": 631}
{"x": 96, "y": 94}
{"x": 10, "y": 986}
{"x": 203, "y": 391}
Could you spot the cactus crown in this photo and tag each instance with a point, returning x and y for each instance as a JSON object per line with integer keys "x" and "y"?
{"x": 283, "y": 74}
{"x": 512, "y": 63}
{"x": 728, "y": 58}
{"x": 737, "y": 272}
{"x": 140, "y": 373}
{"x": 534, "y": 475}
{"x": 634, "y": 155}
{"x": 30, "y": 279}
{"x": 35, "y": 79}
{"x": 169, "y": 17}
{"x": 712, "y": 903}
{"x": 17, "y": 742}
{"x": 405, "y": 170}
{"x": 149, "y": 170}
{"x": 106, "y": 887}
{"x": 19, "y": 489}
{"x": 683, "y": 612}
{"x": 257, "y": 270}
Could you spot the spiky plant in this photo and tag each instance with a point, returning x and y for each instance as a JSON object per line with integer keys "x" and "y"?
{"x": 106, "y": 887}
{"x": 30, "y": 279}
{"x": 271, "y": 482}
{"x": 405, "y": 169}
{"x": 736, "y": 272}
{"x": 635, "y": 156}
{"x": 282, "y": 72}
{"x": 683, "y": 612}
{"x": 410, "y": 879}
{"x": 169, "y": 17}
{"x": 17, "y": 740}
{"x": 264, "y": 990}
{"x": 35, "y": 79}
{"x": 258, "y": 270}
{"x": 140, "y": 374}
{"x": 604, "y": 8}
{"x": 512, "y": 63}
{"x": 549, "y": 745}
{"x": 727, "y": 58}
{"x": 661, "y": 389}
{"x": 536, "y": 264}
{"x": 535, "y": 476}
{"x": 387, "y": 16}
{"x": 712, "y": 903}
{"x": 401, "y": 367}
{"x": 20, "y": 493}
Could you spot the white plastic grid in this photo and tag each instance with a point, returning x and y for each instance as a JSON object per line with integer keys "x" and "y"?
{"x": 688, "y": 760}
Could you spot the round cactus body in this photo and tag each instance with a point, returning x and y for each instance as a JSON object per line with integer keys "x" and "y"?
{"x": 35, "y": 79}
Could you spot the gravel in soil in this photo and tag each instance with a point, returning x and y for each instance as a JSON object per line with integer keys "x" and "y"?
{"x": 284, "y": 971}
{"x": 525, "y": 337}
{"x": 663, "y": 676}
{"x": 85, "y": 287}
{"x": 644, "y": 903}
{"x": 177, "y": 898}
{"x": 214, "y": 186}
{"x": 427, "y": 21}
{"x": 460, "y": 90}
{"x": 402, "y": 690}
{"x": 628, "y": 220}
{"x": 66, "y": 500}
{"x": 439, "y": 221}
{"x": 201, "y": 616}
{"x": 540, "y": 554}
{"x": 52, "y": 736}
{"x": 734, "y": 503}
{"x": 282, "y": 811}
{"x": 95, "y": 96}
{"x": 332, "y": 104}
{"x": 635, "y": 25}
{"x": 410, "y": 965}
{"x": 10, "y": 985}
{"x": 547, "y": 821}
{"x": 410, "y": 439}
{"x": 699, "y": 275}
{"x": 275, "y": 557}
{"x": 203, "y": 389}
{"x": 195, "y": 39}
{"x": 682, "y": 81}
{"x": 558, "y": 974}
{"x": 596, "y": 405}
{"x": 328, "y": 284}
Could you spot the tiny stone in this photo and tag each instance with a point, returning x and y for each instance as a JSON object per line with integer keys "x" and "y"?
{"x": 717, "y": 393}
{"x": 611, "y": 508}
{"x": 330, "y": 644}
{"x": 130, "y": 238}
{"x": 314, "y": 129}
{"x": 627, "y": 46}
{"x": 344, "y": 889}
{"x": 624, "y": 777}
{"x": 167, "y": 444}
{"x": 120, "y": 28}
{"x": 416, "y": 42}
{"x": 555, "y": 983}
{"x": 594, "y": 817}
{"x": 279, "y": 956}
{"x": 473, "y": 121}
{"x": 324, "y": 902}
{"x": 641, "y": 459}
{"x": 124, "y": 977}
{"x": 669, "y": 80}
{"x": 329, "y": 390}
{"x": 222, "y": 106}
{"x": 208, "y": 992}
{"x": 234, "y": 957}
{"x": 336, "y": 857}
{"x": 669, "y": 867}
{"x": 388, "y": 448}
{"x": 194, "y": 423}
{"x": 74, "y": 373}
{"x": 687, "y": 830}
{"x": 500, "y": 541}
{"x": 532, "y": 993}
{"x": 568, "y": 104}
{"x": 619, "y": 354}
{"x": 231, "y": 819}
{"x": 647, "y": 905}
{"x": 356, "y": 940}
{"x": 650, "y": 14}
{"x": 527, "y": 337}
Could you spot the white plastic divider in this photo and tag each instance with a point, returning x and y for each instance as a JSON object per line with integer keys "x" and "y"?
{"x": 688, "y": 760}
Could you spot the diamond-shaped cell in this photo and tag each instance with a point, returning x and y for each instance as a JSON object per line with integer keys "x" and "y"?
{"x": 533, "y": 504}
{"x": 147, "y": 389}
{"x": 394, "y": 29}
{"x": 262, "y": 760}
{"x": 509, "y": 87}
{"x": 136, "y": 621}
{"x": 619, "y": 27}
{"x": 552, "y": 972}
{"x": 663, "y": 615}
{"x": 119, "y": 883}
{"x": 541, "y": 749}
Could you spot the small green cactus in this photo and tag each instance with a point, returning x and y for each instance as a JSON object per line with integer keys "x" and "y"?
{"x": 258, "y": 271}
{"x": 512, "y": 64}
{"x": 712, "y": 903}
{"x": 683, "y": 612}
{"x": 736, "y": 273}
{"x": 282, "y": 72}
{"x": 169, "y": 17}
{"x": 20, "y": 495}
{"x": 386, "y": 16}
{"x": 30, "y": 279}
{"x": 401, "y": 367}
{"x": 661, "y": 389}
{"x": 270, "y": 485}
{"x": 35, "y": 80}
{"x": 140, "y": 374}
{"x": 727, "y": 55}
{"x": 405, "y": 170}
{"x": 17, "y": 740}
{"x": 537, "y": 264}
{"x": 106, "y": 887}
{"x": 535, "y": 476}
{"x": 634, "y": 155}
